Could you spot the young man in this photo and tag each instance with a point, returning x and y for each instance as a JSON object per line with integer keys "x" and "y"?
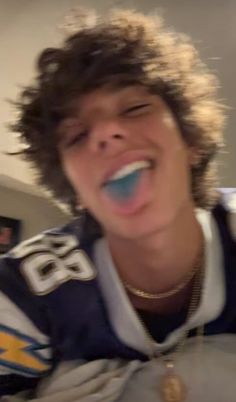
{"x": 122, "y": 123}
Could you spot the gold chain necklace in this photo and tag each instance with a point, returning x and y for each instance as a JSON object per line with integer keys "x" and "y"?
{"x": 172, "y": 387}
{"x": 169, "y": 293}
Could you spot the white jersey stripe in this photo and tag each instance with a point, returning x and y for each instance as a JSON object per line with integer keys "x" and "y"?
{"x": 19, "y": 339}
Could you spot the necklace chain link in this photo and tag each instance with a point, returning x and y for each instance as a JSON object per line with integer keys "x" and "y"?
{"x": 169, "y": 293}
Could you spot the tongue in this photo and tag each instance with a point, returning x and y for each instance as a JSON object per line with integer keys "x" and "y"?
{"x": 128, "y": 194}
{"x": 123, "y": 189}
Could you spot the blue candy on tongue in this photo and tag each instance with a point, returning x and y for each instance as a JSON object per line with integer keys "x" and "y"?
{"x": 123, "y": 188}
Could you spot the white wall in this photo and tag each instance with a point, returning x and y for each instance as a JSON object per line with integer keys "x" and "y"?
{"x": 36, "y": 213}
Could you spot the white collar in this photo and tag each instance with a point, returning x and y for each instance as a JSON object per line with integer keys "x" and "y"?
{"x": 123, "y": 317}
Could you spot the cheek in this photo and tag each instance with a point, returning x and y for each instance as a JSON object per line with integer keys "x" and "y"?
{"x": 170, "y": 135}
{"x": 72, "y": 169}
{"x": 80, "y": 175}
{"x": 168, "y": 121}
{"x": 166, "y": 137}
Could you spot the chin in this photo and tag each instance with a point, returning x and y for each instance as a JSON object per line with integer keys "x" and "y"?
{"x": 140, "y": 226}
{"x": 151, "y": 219}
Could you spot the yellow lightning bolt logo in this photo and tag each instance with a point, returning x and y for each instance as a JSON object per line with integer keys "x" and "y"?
{"x": 19, "y": 353}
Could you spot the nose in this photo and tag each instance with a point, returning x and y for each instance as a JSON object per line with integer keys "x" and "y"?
{"x": 107, "y": 136}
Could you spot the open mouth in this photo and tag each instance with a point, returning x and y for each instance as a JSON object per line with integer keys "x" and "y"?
{"x": 127, "y": 187}
{"x": 130, "y": 170}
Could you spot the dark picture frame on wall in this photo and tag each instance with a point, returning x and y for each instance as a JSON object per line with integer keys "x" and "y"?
{"x": 9, "y": 233}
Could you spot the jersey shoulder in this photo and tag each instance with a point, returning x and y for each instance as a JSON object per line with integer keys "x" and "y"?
{"x": 228, "y": 200}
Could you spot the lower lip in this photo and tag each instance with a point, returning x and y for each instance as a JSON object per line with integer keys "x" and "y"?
{"x": 140, "y": 198}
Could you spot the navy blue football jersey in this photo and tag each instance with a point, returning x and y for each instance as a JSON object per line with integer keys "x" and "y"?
{"x": 53, "y": 310}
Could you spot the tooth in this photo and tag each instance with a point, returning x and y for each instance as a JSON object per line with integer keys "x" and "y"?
{"x": 130, "y": 168}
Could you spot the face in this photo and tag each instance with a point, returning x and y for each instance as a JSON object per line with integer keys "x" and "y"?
{"x": 120, "y": 139}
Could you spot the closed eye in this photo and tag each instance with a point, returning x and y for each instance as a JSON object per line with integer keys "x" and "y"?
{"x": 136, "y": 109}
{"x": 76, "y": 139}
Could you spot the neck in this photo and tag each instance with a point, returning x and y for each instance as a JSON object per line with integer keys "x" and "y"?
{"x": 160, "y": 261}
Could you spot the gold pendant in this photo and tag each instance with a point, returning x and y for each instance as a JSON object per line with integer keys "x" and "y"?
{"x": 172, "y": 387}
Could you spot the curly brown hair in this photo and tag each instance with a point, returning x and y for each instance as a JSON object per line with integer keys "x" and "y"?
{"x": 126, "y": 48}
